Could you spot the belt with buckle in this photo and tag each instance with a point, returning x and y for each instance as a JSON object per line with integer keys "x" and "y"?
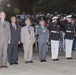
{"x": 69, "y": 31}
{"x": 54, "y": 31}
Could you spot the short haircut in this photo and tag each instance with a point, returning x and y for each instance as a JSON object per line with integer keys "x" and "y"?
{"x": 42, "y": 21}
{"x": 27, "y": 20}
{"x": 2, "y": 12}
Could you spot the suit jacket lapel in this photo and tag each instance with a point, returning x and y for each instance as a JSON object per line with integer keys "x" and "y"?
{"x": 41, "y": 28}
{"x": 27, "y": 29}
{"x": 16, "y": 26}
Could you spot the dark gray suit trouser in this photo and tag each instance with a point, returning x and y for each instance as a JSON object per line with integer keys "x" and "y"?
{"x": 42, "y": 51}
{"x": 13, "y": 53}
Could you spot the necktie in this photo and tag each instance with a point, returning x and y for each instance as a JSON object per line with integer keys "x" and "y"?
{"x": 3, "y": 24}
{"x": 14, "y": 27}
{"x": 29, "y": 30}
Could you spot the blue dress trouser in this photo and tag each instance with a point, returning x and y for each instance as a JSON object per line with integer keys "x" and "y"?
{"x": 74, "y": 44}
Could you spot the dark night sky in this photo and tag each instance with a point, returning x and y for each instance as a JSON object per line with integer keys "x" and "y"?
{"x": 27, "y": 5}
{"x": 23, "y": 5}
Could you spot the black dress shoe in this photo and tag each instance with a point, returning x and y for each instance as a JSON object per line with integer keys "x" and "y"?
{"x": 30, "y": 61}
{"x": 1, "y": 66}
{"x": 26, "y": 62}
{"x": 5, "y": 66}
{"x": 69, "y": 58}
{"x": 41, "y": 60}
{"x": 16, "y": 63}
{"x": 55, "y": 59}
{"x": 44, "y": 61}
{"x": 11, "y": 64}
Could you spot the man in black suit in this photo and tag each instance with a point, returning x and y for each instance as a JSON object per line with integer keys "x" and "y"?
{"x": 15, "y": 40}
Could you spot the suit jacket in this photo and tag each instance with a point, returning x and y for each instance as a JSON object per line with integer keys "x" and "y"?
{"x": 5, "y": 35}
{"x": 43, "y": 36}
{"x": 27, "y": 38}
{"x": 15, "y": 34}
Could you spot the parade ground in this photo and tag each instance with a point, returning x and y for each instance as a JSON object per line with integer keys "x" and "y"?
{"x": 62, "y": 67}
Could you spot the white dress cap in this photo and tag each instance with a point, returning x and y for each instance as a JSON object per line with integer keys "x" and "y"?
{"x": 54, "y": 18}
{"x": 68, "y": 16}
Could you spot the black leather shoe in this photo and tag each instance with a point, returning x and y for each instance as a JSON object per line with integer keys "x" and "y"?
{"x": 44, "y": 61}
{"x": 5, "y": 66}
{"x": 16, "y": 63}
{"x": 26, "y": 62}
{"x": 41, "y": 60}
{"x": 30, "y": 61}
{"x": 11, "y": 64}
{"x": 55, "y": 59}
{"x": 69, "y": 58}
{"x": 1, "y": 66}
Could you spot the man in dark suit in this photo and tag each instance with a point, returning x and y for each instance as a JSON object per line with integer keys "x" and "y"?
{"x": 15, "y": 40}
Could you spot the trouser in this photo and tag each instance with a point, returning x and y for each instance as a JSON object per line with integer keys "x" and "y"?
{"x": 68, "y": 48}
{"x": 42, "y": 51}
{"x": 3, "y": 53}
{"x": 74, "y": 45}
{"x": 13, "y": 53}
{"x": 54, "y": 49}
{"x": 28, "y": 52}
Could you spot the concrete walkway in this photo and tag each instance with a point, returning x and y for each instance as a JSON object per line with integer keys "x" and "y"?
{"x": 62, "y": 67}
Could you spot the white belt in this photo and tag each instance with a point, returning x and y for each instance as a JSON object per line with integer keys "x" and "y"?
{"x": 54, "y": 32}
{"x": 68, "y": 31}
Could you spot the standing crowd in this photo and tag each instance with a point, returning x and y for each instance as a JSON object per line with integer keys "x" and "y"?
{"x": 49, "y": 28}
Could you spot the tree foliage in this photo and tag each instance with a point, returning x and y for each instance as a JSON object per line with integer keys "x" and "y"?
{"x": 45, "y": 6}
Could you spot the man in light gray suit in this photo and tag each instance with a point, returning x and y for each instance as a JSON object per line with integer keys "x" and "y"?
{"x": 43, "y": 36}
{"x": 28, "y": 39}
{"x": 4, "y": 40}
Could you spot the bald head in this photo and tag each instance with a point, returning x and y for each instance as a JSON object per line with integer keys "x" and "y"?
{"x": 2, "y": 15}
